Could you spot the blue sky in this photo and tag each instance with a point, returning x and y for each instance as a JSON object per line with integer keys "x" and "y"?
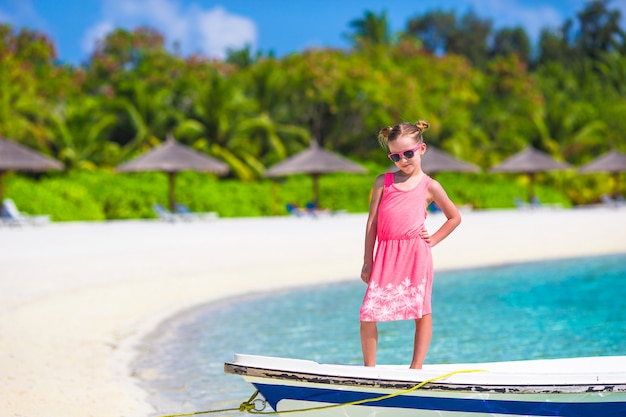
{"x": 282, "y": 26}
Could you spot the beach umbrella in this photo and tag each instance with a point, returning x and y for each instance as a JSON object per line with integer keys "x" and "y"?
{"x": 172, "y": 157}
{"x": 15, "y": 157}
{"x": 613, "y": 162}
{"x": 529, "y": 162}
{"x": 314, "y": 161}
{"x": 435, "y": 160}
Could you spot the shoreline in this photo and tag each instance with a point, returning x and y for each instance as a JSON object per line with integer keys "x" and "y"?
{"x": 78, "y": 298}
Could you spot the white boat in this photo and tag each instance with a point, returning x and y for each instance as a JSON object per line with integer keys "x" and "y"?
{"x": 575, "y": 387}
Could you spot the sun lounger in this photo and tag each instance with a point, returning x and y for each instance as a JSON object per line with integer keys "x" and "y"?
{"x": 314, "y": 210}
{"x": 294, "y": 210}
{"x": 181, "y": 213}
{"x": 613, "y": 202}
{"x": 311, "y": 210}
{"x": 534, "y": 204}
{"x": 11, "y": 216}
{"x": 521, "y": 204}
{"x": 433, "y": 208}
{"x": 6, "y": 219}
{"x": 163, "y": 213}
{"x": 186, "y": 214}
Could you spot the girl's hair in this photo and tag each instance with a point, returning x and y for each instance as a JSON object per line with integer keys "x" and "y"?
{"x": 414, "y": 130}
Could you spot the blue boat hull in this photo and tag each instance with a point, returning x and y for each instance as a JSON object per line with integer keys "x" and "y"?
{"x": 577, "y": 387}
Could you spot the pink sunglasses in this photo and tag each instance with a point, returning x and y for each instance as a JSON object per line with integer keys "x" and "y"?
{"x": 396, "y": 156}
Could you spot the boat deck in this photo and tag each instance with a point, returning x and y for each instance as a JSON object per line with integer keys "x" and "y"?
{"x": 567, "y": 375}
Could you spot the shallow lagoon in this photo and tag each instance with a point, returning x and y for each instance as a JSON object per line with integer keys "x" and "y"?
{"x": 549, "y": 309}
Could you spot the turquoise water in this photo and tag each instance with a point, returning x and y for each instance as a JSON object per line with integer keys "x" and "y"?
{"x": 551, "y": 309}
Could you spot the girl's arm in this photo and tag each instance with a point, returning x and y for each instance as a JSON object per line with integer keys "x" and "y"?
{"x": 437, "y": 194}
{"x": 371, "y": 230}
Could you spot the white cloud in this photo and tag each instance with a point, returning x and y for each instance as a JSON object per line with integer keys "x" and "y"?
{"x": 22, "y": 13}
{"x": 535, "y": 18}
{"x": 192, "y": 28}
{"x": 95, "y": 33}
{"x": 507, "y": 13}
{"x": 221, "y": 31}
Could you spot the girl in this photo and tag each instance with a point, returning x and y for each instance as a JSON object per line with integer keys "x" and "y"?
{"x": 399, "y": 278}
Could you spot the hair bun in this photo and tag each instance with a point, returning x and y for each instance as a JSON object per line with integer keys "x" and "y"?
{"x": 384, "y": 132}
{"x": 383, "y": 135}
{"x": 422, "y": 125}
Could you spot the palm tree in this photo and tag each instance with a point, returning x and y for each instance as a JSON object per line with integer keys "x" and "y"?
{"x": 80, "y": 128}
{"x": 568, "y": 125}
{"x": 269, "y": 85}
{"x": 370, "y": 29}
{"x": 228, "y": 124}
{"x": 145, "y": 115}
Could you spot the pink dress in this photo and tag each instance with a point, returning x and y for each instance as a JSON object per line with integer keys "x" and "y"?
{"x": 400, "y": 284}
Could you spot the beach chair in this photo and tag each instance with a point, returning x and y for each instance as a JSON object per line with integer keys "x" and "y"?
{"x": 434, "y": 208}
{"x": 294, "y": 210}
{"x": 535, "y": 204}
{"x": 612, "y": 202}
{"x": 521, "y": 204}
{"x": 313, "y": 210}
{"x": 607, "y": 201}
{"x": 185, "y": 213}
{"x": 11, "y": 216}
{"x": 163, "y": 213}
{"x": 5, "y": 219}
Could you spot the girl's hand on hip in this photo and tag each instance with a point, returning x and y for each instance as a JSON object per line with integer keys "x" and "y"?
{"x": 424, "y": 235}
{"x": 365, "y": 273}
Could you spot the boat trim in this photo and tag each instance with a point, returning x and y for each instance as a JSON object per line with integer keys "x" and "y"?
{"x": 352, "y": 381}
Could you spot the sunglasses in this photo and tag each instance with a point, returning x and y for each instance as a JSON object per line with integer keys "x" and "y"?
{"x": 396, "y": 156}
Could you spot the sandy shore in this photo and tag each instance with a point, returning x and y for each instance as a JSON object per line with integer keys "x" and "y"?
{"x": 76, "y": 299}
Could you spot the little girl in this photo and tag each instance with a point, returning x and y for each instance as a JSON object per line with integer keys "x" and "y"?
{"x": 399, "y": 276}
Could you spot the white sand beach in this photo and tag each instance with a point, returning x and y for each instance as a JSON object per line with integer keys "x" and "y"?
{"x": 77, "y": 298}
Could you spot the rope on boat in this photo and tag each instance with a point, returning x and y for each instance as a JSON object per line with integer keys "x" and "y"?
{"x": 370, "y": 400}
{"x": 250, "y": 405}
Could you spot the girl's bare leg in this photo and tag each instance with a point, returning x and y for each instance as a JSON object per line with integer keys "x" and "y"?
{"x": 369, "y": 341}
{"x": 423, "y": 334}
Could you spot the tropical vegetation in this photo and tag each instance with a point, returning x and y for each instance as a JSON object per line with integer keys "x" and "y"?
{"x": 487, "y": 93}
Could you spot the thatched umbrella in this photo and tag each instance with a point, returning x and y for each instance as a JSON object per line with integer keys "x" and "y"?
{"x": 613, "y": 162}
{"x": 15, "y": 157}
{"x": 529, "y": 162}
{"x": 314, "y": 161}
{"x": 171, "y": 158}
{"x": 434, "y": 161}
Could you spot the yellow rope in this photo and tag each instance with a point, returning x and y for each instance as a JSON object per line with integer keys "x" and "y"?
{"x": 369, "y": 400}
{"x": 250, "y": 407}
